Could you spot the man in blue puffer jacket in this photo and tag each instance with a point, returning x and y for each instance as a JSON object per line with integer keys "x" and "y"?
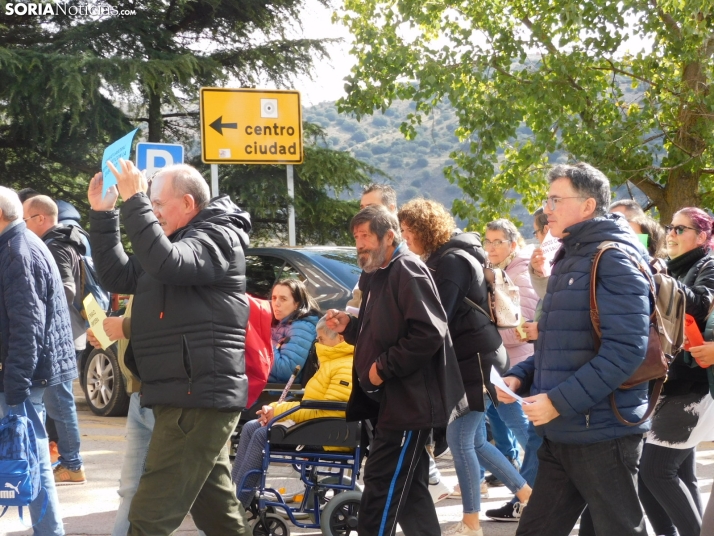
{"x": 588, "y": 457}
{"x": 36, "y": 346}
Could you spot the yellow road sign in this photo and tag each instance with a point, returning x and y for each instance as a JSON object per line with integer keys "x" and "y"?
{"x": 250, "y": 126}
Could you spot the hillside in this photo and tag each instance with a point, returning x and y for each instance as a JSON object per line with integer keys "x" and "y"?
{"x": 416, "y": 166}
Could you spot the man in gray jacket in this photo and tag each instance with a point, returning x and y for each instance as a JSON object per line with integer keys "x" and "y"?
{"x": 189, "y": 315}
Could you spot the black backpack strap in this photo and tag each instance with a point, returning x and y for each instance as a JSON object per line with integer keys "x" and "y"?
{"x": 471, "y": 260}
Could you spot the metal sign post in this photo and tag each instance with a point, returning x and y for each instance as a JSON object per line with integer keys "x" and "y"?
{"x": 291, "y": 206}
{"x": 214, "y": 180}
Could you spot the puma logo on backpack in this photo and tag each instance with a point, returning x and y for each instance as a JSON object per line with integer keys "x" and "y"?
{"x": 19, "y": 464}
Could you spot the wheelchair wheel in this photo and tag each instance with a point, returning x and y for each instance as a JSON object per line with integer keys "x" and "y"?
{"x": 326, "y": 493}
{"x": 339, "y": 518}
{"x": 276, "y": 526}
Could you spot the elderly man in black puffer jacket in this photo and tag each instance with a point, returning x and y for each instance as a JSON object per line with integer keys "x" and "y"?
{"x": 189, "y": 315}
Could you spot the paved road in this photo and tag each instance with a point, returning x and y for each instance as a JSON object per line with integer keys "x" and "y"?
{"x": 90, "y": 509}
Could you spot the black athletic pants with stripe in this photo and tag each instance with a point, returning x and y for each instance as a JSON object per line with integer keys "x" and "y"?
{"x": 396, "y": 486}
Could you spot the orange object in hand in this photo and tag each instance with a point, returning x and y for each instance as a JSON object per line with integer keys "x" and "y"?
{"x": 694, "y": 337}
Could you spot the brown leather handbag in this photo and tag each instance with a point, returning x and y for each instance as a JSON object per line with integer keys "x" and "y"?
{"x": 664, "y": 341}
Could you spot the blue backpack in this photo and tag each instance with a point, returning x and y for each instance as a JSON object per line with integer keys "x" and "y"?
{"x": 19, "y": 464}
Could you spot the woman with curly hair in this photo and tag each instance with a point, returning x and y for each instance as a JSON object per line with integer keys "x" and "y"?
{"x": 455, "y": 260}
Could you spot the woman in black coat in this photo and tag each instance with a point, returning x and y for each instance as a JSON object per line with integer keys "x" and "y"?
{"x": 455, "y": 261}
{"x": 685, "y": 414}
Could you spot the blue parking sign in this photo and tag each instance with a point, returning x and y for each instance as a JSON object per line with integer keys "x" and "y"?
{"x": 151, "y": 157}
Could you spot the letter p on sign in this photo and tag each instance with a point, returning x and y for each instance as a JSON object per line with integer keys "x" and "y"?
{"x": 151, "y": 157}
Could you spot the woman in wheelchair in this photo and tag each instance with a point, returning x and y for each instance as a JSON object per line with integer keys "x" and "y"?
{"x": 332, "y": 382}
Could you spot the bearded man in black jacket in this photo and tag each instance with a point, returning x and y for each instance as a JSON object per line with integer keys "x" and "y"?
{"x": 189, "y": 315}
{"x": 405, "y": 375}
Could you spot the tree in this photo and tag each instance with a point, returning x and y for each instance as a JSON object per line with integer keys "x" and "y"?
{"x": 72, "y": 84}
{"x": 572, "y": 73}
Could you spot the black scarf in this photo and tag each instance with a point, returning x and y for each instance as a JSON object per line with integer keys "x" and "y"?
{"x": 679, "y": 266}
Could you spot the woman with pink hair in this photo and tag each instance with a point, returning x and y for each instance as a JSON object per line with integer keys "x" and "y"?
{"x": 685, "y": 414}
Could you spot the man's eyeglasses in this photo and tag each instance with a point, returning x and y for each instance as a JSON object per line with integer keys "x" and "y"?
{"x": 553, "y": 201}
{"x": 33, "y": 216}
{"x": 678, "y": 229}
{"x": 494, "y": 243}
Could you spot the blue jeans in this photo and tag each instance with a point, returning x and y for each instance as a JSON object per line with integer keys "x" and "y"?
{"x": 34, "y": 409}
{"x": 467, "y": 440}
{"x": 59, "y": 403}
{"x": 249, "y": 457}
{"x": 524, "y": 431}
{"x": 503, "y": 438}
{"x": 139, "y": 427}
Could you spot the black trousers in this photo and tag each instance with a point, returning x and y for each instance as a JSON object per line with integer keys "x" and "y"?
{"x": 601, "y": 475}
{"x": 669, "y": 491}
{"x": 396, "y": 486}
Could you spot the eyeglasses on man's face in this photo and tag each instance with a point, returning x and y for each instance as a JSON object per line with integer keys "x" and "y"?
{"x": 494, "y": 243}
{"x": 553, "y": 200}
{"x": 29, "y": 218}
{"x": 679, "y": 229}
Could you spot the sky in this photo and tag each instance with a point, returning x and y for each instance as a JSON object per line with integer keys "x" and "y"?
{"x": 327, "y": 83}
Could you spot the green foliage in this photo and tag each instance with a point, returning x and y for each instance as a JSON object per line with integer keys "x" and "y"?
{"x": 531, "y": 81}
{"x": 72, "y": 85}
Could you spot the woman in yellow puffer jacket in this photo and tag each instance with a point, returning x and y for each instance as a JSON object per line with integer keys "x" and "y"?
{"x": 332, "y": 382}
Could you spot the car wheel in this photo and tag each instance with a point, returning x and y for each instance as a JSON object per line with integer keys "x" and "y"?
{"x": 104, "y": 385}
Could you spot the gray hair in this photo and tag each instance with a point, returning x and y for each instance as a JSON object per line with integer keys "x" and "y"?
{"x": 322, "y": 326}
{"x": 387, "y": 193}
{"x": 187, "y": 180}
{"x": 587, "y": 181}
{"x": 380, "y": 221}
{"x": 510, "y": 231}
{"x": 10, "y": 204}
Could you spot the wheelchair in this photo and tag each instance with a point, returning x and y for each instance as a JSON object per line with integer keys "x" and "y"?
{"x": 331, "y": 499}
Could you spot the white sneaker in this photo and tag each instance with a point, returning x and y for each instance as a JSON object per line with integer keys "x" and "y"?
{"x": 461, "y": 529}
{"x": 439, "y": 491}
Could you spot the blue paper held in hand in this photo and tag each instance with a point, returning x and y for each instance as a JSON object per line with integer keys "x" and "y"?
{"x": 119, "y": 149}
